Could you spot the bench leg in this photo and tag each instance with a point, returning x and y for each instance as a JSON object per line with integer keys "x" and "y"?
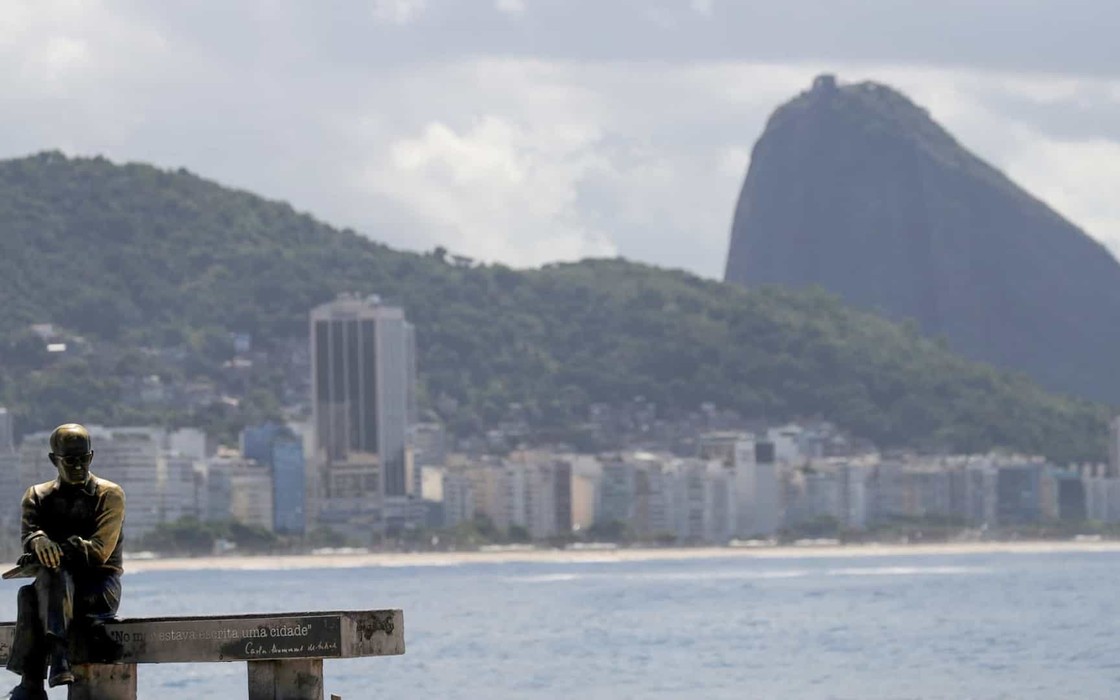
{"x": 288, "y": 679}
{"x": 103, "y": 682}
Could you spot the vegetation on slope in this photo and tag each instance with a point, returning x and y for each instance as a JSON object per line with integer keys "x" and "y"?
{"x": 131, "y": 256}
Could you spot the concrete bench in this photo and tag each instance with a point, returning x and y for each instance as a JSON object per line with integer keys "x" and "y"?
{"x": 284, "y": 652}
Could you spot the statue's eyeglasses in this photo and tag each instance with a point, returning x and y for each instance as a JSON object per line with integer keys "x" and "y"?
{"x": 71, "y": 461}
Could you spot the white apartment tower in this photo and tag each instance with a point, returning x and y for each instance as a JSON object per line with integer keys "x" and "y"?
{"x": 1114, "y": 448}
{"x": 7, "y": 432}
{"x": 11, "y": 488}
{"x": 751, "y": 464}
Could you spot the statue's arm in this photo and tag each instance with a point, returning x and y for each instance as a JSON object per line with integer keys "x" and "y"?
{"x": 110, "y": 519}
{"x": 30, "y": 527}
{"x": 38, "y": 546}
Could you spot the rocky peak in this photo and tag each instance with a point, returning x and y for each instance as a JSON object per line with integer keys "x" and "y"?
{"x": 854, "y": 188}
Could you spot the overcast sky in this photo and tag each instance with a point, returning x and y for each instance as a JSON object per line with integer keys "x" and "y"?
{"x": 529, "y": 131}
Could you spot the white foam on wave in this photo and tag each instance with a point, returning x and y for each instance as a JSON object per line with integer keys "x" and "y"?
{"x": 757, "y": 575}
{"x": 703, "y": 558}
{"x": 749, "y": 575}
{"x": 546, "y": 578}
{"x": 666, "y": 576}
{"x": 908, "y": 571}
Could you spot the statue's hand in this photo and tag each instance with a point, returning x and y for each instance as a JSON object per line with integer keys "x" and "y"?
{"x": 75, "y": 545}
{"x": 48, "y": 552}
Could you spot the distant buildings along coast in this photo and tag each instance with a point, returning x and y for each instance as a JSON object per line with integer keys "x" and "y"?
{"x": 357, "y": 461}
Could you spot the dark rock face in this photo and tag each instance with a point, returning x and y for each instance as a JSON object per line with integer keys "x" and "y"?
{"x": 855, "y": 189}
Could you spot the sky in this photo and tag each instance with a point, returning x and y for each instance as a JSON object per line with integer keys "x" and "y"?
{"x": 535, "y": 131}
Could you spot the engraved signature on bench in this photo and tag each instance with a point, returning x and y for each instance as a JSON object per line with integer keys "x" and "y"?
{"x": 368, "y": 624}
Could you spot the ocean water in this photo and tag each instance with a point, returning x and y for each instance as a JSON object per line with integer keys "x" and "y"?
{"x": 917, "y": 626}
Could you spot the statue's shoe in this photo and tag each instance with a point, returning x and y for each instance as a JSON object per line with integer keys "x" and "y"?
{"x": 21, "y": 693}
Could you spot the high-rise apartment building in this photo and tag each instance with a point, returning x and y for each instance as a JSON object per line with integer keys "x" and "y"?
{"x": 757, "y": 494}
{"x": 363, "y": 397}
{"x": 11, "y": 488}
{"x": 1114, "y": 448}
{"x": 280, "y": 449}
{"x": 458, "y": 497}
{"x": 288, "y": 490}
{"x": 7, "y": 433}
{"x": 237, "y": 488}
{"x": 250, "y": 495}
{"x": 429, "y": 449}
{"x": 538, "y": 495}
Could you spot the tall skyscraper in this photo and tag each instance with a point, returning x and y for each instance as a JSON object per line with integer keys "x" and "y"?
{"x": 363, "y": 396}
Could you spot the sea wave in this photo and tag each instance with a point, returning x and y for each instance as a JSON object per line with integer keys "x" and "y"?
{"x": 755, "y": 575}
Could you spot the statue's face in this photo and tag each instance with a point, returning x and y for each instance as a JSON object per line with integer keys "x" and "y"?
{"x": 71, "y": 453}
{"x": 73, "y": 469}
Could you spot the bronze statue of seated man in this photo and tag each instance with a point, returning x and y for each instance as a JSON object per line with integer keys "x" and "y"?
{"x": 71, "y": 534}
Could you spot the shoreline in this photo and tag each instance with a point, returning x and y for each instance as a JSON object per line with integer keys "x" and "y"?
{"x": 294, "y": 562}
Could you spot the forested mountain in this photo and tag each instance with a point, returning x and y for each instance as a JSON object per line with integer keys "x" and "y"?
{"x": 855, "y": 189}
{"x": 135, "y": 257}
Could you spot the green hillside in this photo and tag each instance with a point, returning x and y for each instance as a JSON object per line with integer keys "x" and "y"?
{"x": 132, "y": 256}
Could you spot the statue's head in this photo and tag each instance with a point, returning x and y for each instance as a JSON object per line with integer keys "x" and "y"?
{"x": 71, "y": 453}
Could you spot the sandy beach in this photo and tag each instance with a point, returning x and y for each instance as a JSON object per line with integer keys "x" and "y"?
{"x": 606, "y": 556}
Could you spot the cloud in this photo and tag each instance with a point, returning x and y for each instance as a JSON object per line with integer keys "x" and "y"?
{"x": 733, "y": 161}
{"x": 510, "y": 7}
{"x": 702, "y": 7}
{"x": 1078, "y": 178}
{"x": 62, "y": 55}
{"x": 58, "y": 46}
{"x": 399, "y": 12}
{"x": 497, "y": 190}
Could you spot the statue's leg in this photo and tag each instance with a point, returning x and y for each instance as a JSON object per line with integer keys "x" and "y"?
{"x": 96, "y": 599}
{"x": 97, "y": 596}
{"x": 55, "y": 591}
{"x": 28, "y": 655}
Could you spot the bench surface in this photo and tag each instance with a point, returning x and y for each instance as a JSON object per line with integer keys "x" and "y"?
{"x": 306, "y": 635}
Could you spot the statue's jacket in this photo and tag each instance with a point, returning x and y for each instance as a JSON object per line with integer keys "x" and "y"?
{"x": 94, "y": 512}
